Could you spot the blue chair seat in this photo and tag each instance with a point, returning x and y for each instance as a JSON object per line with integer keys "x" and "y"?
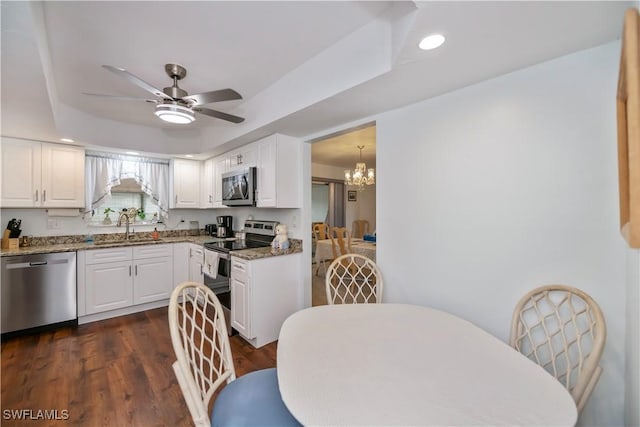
{"x": 252, "y": 400}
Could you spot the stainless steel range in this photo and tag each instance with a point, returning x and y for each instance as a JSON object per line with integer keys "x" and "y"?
{"x": 258, "y": 234}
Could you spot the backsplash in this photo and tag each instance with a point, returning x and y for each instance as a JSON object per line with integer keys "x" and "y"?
{"x": 109, "y": 237}
{"x": 37, "y": 223}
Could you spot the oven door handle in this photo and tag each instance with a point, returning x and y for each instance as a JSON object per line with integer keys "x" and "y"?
{"x": 221, "y": 255}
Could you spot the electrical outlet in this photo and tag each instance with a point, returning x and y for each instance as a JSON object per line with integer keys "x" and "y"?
{"x": 52, "y": 224}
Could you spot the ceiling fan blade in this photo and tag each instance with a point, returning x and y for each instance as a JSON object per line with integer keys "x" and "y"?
{"x": 219, "y": 115}
{"x": 213, "y": 96}
{"x": 137, "y": 81}
{"x": 122, "y": 98}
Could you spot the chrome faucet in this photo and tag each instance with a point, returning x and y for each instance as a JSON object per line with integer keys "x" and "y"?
{"x": 126, "y": 217}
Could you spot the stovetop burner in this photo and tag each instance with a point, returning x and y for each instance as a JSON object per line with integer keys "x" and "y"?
{"x": 236, "y": 245}
{"x": 259, "y": 235}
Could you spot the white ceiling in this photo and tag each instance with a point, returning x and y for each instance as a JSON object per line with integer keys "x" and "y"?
{"x": 302, "y": 67}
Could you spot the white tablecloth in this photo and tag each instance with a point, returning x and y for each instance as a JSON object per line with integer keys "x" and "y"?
{"x": 394, "y": 364}
{"x": 359, "y": 246}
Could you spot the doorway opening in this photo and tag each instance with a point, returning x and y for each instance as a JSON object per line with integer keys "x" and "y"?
{"x": 335, "y": 203}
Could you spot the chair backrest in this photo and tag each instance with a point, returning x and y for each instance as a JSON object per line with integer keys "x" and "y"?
{"x": 340, "y": 241}
{"x": 321, "y": 231}
{"x": 353, "y": 279}
{"x": 200, "y": 341}
{"x": 360, "y": 228}
{"x": 563, "y": 330}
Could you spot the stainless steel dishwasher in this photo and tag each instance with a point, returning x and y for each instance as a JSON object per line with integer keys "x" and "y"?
{"x": 38, "y": 290}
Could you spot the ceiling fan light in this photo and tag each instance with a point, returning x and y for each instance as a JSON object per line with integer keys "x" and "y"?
{"x": 174, "y": 113}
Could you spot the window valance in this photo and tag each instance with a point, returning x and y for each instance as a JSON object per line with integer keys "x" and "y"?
{"x": 105, "y": 170}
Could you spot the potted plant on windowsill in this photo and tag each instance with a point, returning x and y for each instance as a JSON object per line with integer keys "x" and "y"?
{"x": 107, "y": 220}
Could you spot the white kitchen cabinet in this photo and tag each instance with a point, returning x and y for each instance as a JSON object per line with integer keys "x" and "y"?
{"x": 239, "y": 287}
{"x": 207, "y": 187}
{"x": 36, "y": 174}
{"x": 117, "y": 278}
{"x": 221, "y": 165}
{"x": 196, "y": 261}
{"x": 279, "y": 180}
{"x": 180, "y": 263}
{"x": 152, "y": 279}
{"x": 108, "y": 286}
{"x": 243, "y": 157}
{"x": 152, "y": 273}
{"x": 185, "y": 184}
{"x": 264, "y": 292}
{"x": 62, "y": 176}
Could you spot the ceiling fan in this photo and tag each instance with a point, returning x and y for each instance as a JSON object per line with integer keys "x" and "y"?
{"x": 173, "y": 104}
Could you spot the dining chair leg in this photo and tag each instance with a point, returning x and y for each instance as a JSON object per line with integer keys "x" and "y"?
{"x": 324, "y": 267}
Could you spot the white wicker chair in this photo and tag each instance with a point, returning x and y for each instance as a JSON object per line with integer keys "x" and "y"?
{"x": 200, "y": 341}
{"x": 353, "y": 279}
{"x": 563, "y": 330}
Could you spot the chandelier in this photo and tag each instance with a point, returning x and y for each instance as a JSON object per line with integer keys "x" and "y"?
{"x": 360, "y": 176}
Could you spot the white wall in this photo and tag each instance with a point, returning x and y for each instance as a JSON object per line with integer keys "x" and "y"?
{"x": 632, "y": 391}
{"x": 513, "y": 185}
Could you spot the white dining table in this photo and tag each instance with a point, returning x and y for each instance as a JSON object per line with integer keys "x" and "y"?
{"x": 397, "y": 364}
{"x": 358, "y": 246}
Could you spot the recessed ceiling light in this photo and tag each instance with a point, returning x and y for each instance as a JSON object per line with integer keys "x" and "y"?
{"x": 188, "y": 155}
{"x": 134, "y": 153}
{"x": 431, "y": 42}
{"x": 66, "y": 140}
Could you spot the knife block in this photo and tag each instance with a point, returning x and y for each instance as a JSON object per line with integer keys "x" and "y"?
{"x": 8, "y": 243}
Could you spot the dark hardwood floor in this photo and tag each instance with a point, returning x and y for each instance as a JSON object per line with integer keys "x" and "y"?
{"x": 116, "y": 372}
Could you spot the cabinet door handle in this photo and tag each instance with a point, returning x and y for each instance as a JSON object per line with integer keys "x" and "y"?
{"x": 210, "y": 198}
{"x": 44, "y": 195}
{"x": 36, "y": 195}
{"x": 129, "y": 271}
{"x": 176, "y": 198}
{"x": 136, "y": 269}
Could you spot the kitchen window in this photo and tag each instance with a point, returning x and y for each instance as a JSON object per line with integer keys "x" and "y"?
{"x": 126, "y": 182}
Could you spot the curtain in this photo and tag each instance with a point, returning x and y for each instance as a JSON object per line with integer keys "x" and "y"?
{"x": 104, "y": 170}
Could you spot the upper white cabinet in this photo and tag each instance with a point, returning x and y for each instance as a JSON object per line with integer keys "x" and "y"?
{"x": 220, "y": 166}
{"x": 38, "y": 174}
{"x": 207, "y": 188}
{"x": 279, "y": 178}
{"x": 243, "y": 157}
{"x": 185, "y": 177}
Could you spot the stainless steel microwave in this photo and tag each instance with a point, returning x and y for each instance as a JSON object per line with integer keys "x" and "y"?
{"x": 239, "y": 187}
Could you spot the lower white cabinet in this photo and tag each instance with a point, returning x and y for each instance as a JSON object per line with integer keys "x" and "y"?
{"x": 196, "y": 261}
{"x": 108, "y": 286}
{"x": 180, "y": 263}
{"x": 152, "y": 279}
{"x": 239, "y": 285}
{"x": 118, "y": 278}
{"x": 264, "y": 292}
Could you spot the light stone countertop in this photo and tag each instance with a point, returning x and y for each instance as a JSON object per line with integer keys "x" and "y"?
{"x": 248, "y": 254}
